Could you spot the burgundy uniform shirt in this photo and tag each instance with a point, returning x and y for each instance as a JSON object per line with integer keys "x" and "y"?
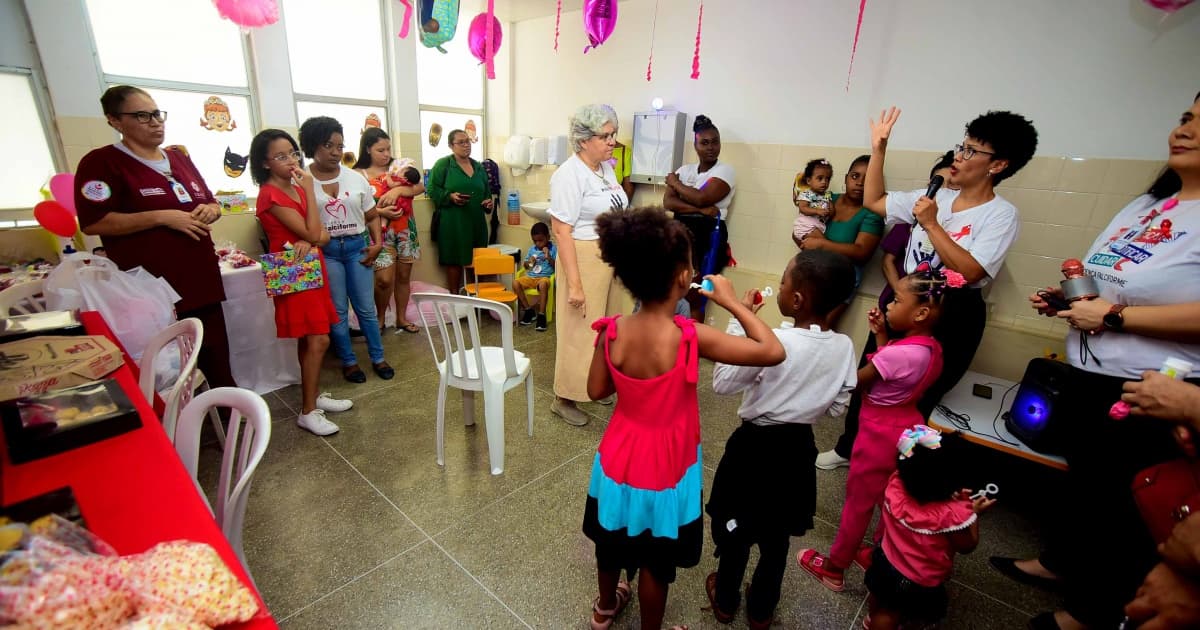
{"x": 109, "y": 180}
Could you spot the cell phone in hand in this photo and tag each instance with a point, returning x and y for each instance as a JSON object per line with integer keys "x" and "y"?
{"x": 1055, "y": 302}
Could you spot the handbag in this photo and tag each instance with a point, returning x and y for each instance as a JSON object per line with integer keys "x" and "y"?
{"x": 435, "y": 224}
{"x": 1167, "y": 493}
{"x": 283, "y": 275}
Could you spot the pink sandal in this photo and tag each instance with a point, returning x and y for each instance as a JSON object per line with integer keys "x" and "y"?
{"x": 819, "y": 567}
{"x": 624, "y": 594}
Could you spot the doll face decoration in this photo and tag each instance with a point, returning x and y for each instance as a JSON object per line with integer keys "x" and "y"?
{"x": 217, "y": 116}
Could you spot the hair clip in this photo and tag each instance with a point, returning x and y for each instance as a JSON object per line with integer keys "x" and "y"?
{"x": 918, "y": 435}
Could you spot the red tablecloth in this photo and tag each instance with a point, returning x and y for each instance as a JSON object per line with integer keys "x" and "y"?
{"x": 132, "y": 489}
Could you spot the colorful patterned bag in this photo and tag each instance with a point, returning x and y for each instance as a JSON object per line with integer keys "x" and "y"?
{"x": 283, "y": 275}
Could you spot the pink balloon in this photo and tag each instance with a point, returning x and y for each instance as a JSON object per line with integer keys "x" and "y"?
{"x": 55, "y": 218}
{"x": 1170, "y": 6}
{"x": 477, "y": 36}
{"x": 62, "y": 188}
{"x": 249, "y": 13}
{"x": 599, "y": 20}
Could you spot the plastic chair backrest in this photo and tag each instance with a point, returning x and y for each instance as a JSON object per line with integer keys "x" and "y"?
{"x": 246, "y": 440}
{"x": 188, "y": 335}
{"x": 454, "y": 348}
{"x": 494, "y": 265}
{"x": 24, "y": 298}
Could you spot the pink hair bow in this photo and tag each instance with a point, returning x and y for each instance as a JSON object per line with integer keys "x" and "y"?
{"x": 919, "y": 435}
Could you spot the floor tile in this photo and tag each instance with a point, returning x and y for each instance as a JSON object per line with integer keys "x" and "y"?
{"x": 971, "y": 609}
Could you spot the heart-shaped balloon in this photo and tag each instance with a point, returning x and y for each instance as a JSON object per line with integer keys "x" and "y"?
{"x": 55, "y": 218}
{"x": 62, "y": 187}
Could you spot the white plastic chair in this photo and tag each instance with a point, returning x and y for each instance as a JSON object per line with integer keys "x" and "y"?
{"x": 474, "y": 368}
{"x": 23, "y": 298}
{"x": 245, "y": 445}
{"x": 187, "y": 334}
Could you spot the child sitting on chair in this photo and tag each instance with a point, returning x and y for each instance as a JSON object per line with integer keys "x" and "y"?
{"x": 539, "y": 267}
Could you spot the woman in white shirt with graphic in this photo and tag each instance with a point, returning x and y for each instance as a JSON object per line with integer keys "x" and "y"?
{"x": 966, "y": 227}
{"x": 699, "y": 195}
{"x": 583, "y": 188}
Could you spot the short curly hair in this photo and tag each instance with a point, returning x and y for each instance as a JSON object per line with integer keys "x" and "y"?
{"x": 1012, "y": 136}
{"x": 825, "y": 278}
{"x": 588, "y": 121}
{"x": 646, "y": 250}
{"x": 317, "y": 131}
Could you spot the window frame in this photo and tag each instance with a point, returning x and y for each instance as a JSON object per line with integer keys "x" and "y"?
{"x": 19, "y": 216}
{"x": 481, "y": 113}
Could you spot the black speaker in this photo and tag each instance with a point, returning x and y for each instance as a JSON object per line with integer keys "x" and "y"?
{"x": 1037, "y": 413}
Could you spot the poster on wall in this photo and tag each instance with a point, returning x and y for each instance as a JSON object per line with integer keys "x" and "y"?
{"x": 218, "y": 143}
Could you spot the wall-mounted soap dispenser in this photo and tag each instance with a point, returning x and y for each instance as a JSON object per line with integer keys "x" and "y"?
{"x": 658, "y": 139}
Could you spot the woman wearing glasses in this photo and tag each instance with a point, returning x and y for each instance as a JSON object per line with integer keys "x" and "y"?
{"x": 581, "y": 190}
{"x": 151, "y": 209}
{"x": 967, "y": 227}
{"x": 347, "y": 205}
{"x": 459, "y": 190}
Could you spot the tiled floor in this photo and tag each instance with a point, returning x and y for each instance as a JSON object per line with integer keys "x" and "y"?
{"x": 363, "y": 530}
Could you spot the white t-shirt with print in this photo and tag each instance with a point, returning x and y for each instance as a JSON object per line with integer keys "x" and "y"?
{"x": 344, "y": 216}
{"x": 1157, "y": 264}
{"x": 578, "y": 195}
{"x": 985, "y": 231}
{"x": 690, "y": 175}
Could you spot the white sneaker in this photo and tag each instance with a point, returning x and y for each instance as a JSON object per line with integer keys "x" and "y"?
{"x": 325, "y": 402}
{"x": 316, "y": 423}
{"x": 830, "y": 460}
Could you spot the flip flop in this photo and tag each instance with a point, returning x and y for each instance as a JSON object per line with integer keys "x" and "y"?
{"x": 408, "y": 327}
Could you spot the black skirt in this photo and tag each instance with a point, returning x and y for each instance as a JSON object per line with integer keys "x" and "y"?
{"x": 766, "y": 483}
{"x": 616, "y": 550}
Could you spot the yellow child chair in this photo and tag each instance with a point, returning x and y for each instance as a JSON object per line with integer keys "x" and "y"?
{"x": 549, "y": 295}
{"x": 495, "y": 266}
{"x": 473, "y": 288}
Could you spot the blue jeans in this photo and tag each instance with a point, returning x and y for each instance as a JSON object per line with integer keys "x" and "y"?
{"x": 350, "y": 280}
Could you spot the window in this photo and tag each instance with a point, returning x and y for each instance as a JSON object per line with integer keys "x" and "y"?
{"x": 338, "y": 64}
{"x": 193, "y": 64}
{"x": 450, "y": 90}
{"x": 22, "y": 126}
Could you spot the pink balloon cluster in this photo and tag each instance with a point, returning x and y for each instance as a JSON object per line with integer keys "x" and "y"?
{"x": 58, "y": 215}
{"x": 249, "y": 13}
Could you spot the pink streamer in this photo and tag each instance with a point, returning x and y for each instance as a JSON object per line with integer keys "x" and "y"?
{"x": 862, "y": 7}
{"x": 653, "y": 29}
{"x": 696, "y": 54}
{"x": 408, "y": 10}
{"x": 488, "y": 51}
{"x": 557, "y": 21}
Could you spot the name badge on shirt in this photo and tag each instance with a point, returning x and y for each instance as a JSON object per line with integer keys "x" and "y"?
{"x": 181, "y": 193}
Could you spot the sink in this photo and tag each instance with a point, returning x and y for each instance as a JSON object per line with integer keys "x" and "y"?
{"x": 539, "y": 210}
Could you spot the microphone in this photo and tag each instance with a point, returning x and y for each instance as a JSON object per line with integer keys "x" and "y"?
{"x": 935, "y": 184}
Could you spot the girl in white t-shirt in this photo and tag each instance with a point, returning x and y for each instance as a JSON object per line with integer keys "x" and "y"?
{"x": 699, "y": 195}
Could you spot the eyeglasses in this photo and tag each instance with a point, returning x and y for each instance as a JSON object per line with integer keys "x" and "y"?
{"x": 283, "y": 157}
{"x": 969, "y": 152}
{"x": 144, "y": 117}
{"x": 329, "y": 146}
{"x": 605, "y": 137}
{"x": 462, "y": 143}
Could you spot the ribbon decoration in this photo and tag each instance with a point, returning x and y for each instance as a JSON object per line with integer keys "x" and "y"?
{"x": 696, "y": 53}
{"x": 862, "y": 7}
{"x": 489, "y": 49}
{"x": 408, "y": 11}
{"x": 557, "y": 21}
{"x": 653, "y": 28}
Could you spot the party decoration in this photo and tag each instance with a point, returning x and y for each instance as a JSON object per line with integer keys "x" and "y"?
{"x": 1168, "y": 6}
{"x": 696, "y": 53}
{"x": 372, "y": 121}
{"x": 249, "y": 13}
{"x": 55, "y": 218}
{"x": 435, "y": 134}
{"x": 217, "y": 116}
{"x": 599, "y": 21}
{"x": 472, "y": 132}
{"x": 235, "y": 164}
{"x": 653, "y": 30}
{"x": 862, "y": 7}
{"x": 62, "y": 189}
{"x": 439, "y": 22}
{"x": 408, "y": 13}
{"x": 477, "y": 39}
{"x": 557, "y": 21}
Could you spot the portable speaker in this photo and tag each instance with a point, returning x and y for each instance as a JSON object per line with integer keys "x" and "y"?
{"x": 1036, "y": 415}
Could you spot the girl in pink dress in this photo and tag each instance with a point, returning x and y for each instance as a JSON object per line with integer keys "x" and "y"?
{"x": 644, "y": 501}
{"x": 894, "y": 378}
{"x": 927, "y": 518}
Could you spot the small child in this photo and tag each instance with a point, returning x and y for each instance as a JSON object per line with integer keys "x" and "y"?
{"x": 644, "y": 499}
{"x": 927, "y": 518}
{"x": 539, "y": 267}
{"x": 401, "y": 243}
{"x": 810, "y": 193}
{"x": 775, "y": 439}
{"x": 893, "y": 379}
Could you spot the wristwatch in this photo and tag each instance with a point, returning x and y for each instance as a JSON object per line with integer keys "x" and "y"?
{"x": 1113, "y": 319}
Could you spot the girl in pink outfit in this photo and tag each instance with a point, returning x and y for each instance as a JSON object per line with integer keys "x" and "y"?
{"x": 927, "y": 518}
{"x": 643, "y": 503}
{"x": 894, "y": 379}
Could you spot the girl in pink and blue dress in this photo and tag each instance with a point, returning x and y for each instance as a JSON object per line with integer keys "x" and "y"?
{"x": 644, "y": 501}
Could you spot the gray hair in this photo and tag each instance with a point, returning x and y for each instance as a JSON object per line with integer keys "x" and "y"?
{"x": 588, "y": 122}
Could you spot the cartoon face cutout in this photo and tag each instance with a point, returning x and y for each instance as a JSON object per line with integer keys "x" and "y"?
{"x": 235, "y": 164}
{"x": 372, "y": 121}
{"x": 217, "y": 116}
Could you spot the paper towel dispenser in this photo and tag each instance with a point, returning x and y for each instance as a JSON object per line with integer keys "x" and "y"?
{"x": 658, "y": 139}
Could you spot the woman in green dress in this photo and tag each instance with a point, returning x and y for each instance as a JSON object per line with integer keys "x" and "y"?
{"x": 459, "y": 190}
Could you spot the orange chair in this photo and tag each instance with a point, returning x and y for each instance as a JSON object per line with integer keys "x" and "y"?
{"x": 495, "y": 266}
{"x": 474, "y": 288}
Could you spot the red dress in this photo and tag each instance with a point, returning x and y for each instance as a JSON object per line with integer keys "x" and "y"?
{"x": 307, "y": 312}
